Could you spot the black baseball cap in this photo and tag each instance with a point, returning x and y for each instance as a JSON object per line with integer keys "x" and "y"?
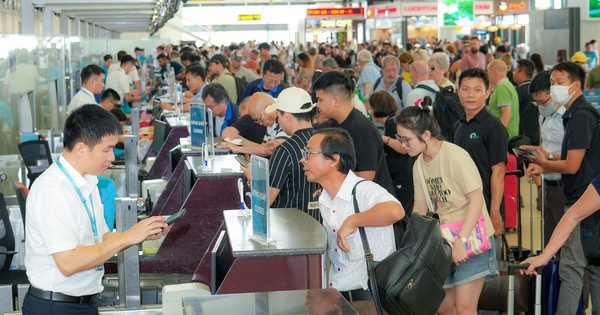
{"x": 219, "y": 58}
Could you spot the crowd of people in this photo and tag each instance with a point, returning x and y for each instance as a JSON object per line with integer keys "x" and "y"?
{"x": 328, "y": 116}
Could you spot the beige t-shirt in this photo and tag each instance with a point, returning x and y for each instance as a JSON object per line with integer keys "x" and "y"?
{"x": 449, "y": 177}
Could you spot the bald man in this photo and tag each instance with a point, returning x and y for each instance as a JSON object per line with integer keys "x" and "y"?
{"x": 259, "y": 131}
{"x": 419, "y": 77}
{"x": 504, "y": 100}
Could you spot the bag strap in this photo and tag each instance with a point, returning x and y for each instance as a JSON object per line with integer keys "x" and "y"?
{"x": 368, "y": 256}
{"x": 430, "y": 204}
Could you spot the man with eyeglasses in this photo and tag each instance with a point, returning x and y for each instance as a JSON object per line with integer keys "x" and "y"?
{"x": 289, "y": 187}
{"x": 485, "y": 139}
{"x": 328, "y": 159}
{"x": 272, "y": 81}
{"x": 578, "y": 164}
{"x": 259, "y": 131}
{"x": 552, "y": 133}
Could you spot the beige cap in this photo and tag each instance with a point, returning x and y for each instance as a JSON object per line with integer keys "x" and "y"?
{"x": 292, "y": 100}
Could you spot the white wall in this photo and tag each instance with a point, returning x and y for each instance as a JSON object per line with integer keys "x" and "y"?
{"x": 590, "y": 28}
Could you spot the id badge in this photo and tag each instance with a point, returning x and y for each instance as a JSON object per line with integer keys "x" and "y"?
{"x": 314, "y": 205}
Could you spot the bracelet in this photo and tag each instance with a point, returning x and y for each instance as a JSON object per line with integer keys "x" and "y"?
{"x": 388, "y": 140}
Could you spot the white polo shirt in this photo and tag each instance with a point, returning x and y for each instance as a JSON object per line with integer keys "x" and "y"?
{"x": 348, "y": 271}
{"x": 57, "y": 221}
{"x": 83, "y": 97}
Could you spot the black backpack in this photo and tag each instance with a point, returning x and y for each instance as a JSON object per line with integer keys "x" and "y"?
{"x": 447, "y": 109}
{"x": 398, "y": 86}
{"x": 240, "y": 88}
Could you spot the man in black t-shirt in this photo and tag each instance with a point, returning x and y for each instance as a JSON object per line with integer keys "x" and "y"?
{"x": 485, "y": 139}
{"x": 579, "y": 163}
{"x": 334, "y": 92}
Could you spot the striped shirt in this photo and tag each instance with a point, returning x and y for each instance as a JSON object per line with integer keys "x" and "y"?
{"x": 287, "y": 175}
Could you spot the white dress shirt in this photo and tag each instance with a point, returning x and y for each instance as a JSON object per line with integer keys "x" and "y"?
{"x": 83, "y": 97}
{"x": 348, "y": 271}
{"x": 552, "y": 132}
{"x": 120, "y": 82}
{"x": 57, "y": 221}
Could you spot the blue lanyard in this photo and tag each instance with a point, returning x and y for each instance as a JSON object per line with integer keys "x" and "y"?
{"x": 90, "y": 95}
{"x": 92, "y": 214}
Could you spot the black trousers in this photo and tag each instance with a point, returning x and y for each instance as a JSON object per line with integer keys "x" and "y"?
{"x": 36, "y": 306}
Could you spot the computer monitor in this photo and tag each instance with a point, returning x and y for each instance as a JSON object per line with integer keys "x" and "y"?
{"x": 161, "y": 129}
{"x": 220, "y": 262}
{"x": 188, "y": 179}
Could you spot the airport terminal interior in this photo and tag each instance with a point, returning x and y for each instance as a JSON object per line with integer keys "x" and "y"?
{"x": 185, "y": 79}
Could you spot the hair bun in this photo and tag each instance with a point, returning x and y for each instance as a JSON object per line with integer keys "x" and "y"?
{"x": 425, "y": 104}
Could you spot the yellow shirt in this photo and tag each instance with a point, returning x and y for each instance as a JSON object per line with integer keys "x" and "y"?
{"x": 449, "y": 177}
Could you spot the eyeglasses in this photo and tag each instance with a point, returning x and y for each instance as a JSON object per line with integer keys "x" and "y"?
{"x": 259, "y": 120}
{"x": 403, "y": 140}
{"x": 306, "y": 153}
{"x": 537, "y": 103}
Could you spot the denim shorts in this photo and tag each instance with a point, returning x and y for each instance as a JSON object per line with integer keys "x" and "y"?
{"x": 478, "y": 266}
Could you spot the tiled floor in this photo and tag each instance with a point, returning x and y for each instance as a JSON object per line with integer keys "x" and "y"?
{"x": 529, "y": 214}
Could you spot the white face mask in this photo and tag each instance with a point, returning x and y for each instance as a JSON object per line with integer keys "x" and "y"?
{"x": 560, "y": 94}
{"x": 547, "y": 110}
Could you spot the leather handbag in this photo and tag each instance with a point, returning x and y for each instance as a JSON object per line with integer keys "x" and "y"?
{"x": 410, "y": 280}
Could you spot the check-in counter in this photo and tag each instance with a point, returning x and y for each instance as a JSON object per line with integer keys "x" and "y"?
{"x": 317, "y": 301}
{"x": 295, "y": 260}
{"x": 161, "y": 165}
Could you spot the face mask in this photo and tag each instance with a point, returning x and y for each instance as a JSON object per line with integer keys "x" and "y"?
{"x": 547, "y": 110}
{"x": 560, "y": 94}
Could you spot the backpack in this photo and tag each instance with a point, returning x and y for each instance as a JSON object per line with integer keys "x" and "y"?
{"x": 447, "y": 109}
{"x": 240, "y": 88}
{"x": 398, "y": 86}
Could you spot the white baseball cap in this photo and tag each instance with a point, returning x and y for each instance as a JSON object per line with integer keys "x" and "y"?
{"x": 292, "y": 100}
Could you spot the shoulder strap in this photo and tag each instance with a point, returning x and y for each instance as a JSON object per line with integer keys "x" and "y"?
{"x": 428, "y": 88}
{"x": 368, "y": 256}
{"x": 423, "y": 185}
{"x": 376, "y": 84}
{"x": 399, "y": 86}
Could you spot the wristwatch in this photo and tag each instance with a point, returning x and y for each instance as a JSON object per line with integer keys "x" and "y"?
{"x": 462, "y": 239}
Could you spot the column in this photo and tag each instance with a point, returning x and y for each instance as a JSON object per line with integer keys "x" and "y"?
{"x": 27, "y": 17}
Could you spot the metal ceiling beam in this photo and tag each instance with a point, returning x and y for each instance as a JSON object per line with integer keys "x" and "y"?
{"x": 146, "y": 14}
{"x": 88, "y": 2}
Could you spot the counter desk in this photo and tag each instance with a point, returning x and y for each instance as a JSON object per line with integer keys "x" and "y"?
{"x": 294, "y": 261}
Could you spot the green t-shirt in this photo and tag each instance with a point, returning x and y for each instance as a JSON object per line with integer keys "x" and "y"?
{"x": 505, "y": 94}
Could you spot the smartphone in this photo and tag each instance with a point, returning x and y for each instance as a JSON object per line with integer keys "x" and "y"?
{"x": 242, "y": 160}
{"x": 523, "y": 154}
{"x": 175, "y": 217}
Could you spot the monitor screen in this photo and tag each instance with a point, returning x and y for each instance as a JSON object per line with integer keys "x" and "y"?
{"x": 161, "y": 128}
{"x": 220, "y": 262}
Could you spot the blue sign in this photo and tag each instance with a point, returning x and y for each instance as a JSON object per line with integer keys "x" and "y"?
{"x": 260, "y": 199}
{"x": 592, "y": 96}
{"x": 197, "y": 124}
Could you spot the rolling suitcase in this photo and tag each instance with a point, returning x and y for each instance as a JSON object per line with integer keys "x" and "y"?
{"x": 537, "y": 307}
{"x": 511, "y": 193}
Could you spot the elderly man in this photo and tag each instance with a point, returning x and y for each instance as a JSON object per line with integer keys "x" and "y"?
{"x": 419, "y": 76}
{"x": 236, "y": 58}
{"x": 438, "y": 65}
{"x": 369, "y": 72}
{"x": 259, "y": 131}
{"x": 504, "y": 100}
{"x": 392, "y": 82}
{"x": 328, "y": 159}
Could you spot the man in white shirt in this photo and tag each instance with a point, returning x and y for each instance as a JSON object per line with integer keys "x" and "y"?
{"x": 119, "y": 81}
{"x": 92, "y": 82}
{"x": 328, "y": 159}
{"x": 68, "y": 240}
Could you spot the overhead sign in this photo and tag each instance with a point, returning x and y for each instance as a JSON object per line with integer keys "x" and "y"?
{"x": 419, "y": 8}
{"x": 594, "y": 9}
{"x": 483, "y": 7}
{"x": 335, "y": 23}
{"x": 336, "y": 12}
{"x": 512, "y": 7}
{"x": 249, "y": 17}
{"x": 384, "y": 10}
{"x": 457, "y": 12}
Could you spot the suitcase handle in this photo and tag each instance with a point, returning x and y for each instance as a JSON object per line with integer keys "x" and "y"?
{"x": 513, "y": 268}
{"x": 515, "y": 172}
